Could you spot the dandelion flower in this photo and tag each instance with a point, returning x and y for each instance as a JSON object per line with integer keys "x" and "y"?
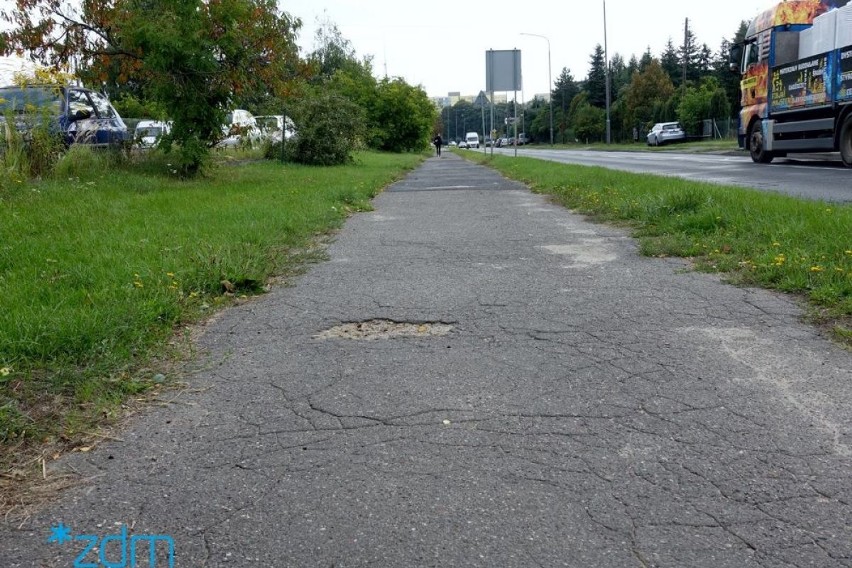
{"x": 5, "y": 372}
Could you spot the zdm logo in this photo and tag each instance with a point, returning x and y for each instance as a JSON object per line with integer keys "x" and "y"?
{"x": 115, "y": 551}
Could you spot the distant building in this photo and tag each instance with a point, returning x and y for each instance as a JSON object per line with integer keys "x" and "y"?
{"x": 455, "y": 96}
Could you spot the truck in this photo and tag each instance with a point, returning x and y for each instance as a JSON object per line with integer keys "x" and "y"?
{"x": 795, "y": 63}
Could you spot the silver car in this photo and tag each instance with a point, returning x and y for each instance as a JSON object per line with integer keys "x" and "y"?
{"x": 665, "y": 132}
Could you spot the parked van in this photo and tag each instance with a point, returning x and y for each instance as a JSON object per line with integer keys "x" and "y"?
{"x": 472, "y": 139}
{"x": 148, "y": 133}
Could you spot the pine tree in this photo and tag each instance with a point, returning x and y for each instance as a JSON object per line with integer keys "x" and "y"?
{"x": 670, "y": 62}
{"x": 596, "y": 81}
{"x": 563, "y": 93}
{"x": 646, "y": 59}
{"x": 689, "y": 52}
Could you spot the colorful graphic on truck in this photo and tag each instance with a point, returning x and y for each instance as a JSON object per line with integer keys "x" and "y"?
{"x": 792, "y": 12}
{"x": 800, "y": 84}
{"x": 844, "y": 87}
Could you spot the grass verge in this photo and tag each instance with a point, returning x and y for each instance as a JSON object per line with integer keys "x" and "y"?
{"x": 100, "y": 267}
{"x": 755, "y": 238}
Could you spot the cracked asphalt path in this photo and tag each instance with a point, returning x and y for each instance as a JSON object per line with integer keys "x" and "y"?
{"x": 589, "y": 407}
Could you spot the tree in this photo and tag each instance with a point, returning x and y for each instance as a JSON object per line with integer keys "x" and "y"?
{"x": 670, "y": 62}
{"x": 333, "y": 53}
{"x": 619, "y": 76}
{"x": 729, "y": 80}
{"x": 564, "y": 91}
{"x": 596, "y": 80}
{"x": 649, "y": 89}
{"x": 192, "y": 56}
{"x": 690, "y": 54}
{"x": 706, "y": 101}
{"x": 646, "y": 59}
{"x": 330, "y": 130}
{"x": 589, "y": 123}
{"x": 402, "y": 117}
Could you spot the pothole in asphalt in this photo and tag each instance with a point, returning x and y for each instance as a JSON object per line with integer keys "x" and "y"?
{"x": 384, "y": 329}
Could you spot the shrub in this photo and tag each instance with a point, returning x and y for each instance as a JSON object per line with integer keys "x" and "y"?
{"x": 329, "y": 130}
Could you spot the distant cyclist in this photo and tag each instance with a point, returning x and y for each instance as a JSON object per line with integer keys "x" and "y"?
{"x": 438, "y": 141}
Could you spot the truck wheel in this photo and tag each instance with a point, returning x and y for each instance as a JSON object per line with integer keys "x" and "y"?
{"x": 846, "y": 142}
{"x": 756, "y": 146}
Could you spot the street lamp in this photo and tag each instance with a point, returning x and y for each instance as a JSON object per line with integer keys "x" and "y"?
{"x": 549, "y": 82}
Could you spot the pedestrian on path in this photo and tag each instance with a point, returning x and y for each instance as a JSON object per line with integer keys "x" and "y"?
{"x": 438, "y": 141}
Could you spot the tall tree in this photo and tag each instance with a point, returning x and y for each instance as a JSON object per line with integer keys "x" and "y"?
{"x": 332, "y": 52}
{"x": 619, "y": 76}
{"x": 596, "y": 80}
{"x": 689, "y": 54}
{"x": 563, "y": 93}
{"x": 632, "y": 66}
{"x": 646, "y": 59}
{"x": 729, "y": 80}
{"x": 649, "y": 89}
{"x": 670, "y": 62}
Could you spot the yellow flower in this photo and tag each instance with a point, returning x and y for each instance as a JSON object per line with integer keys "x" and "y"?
{"x": 170, "y": 274}
{"x": 5, "y": 372}
{"x": 817, "y": 268}
{"x": 776, "y": 244}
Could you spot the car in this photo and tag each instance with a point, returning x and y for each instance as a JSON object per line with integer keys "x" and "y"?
{"x": 504, "y": 141}
{"x": 273, "y": 126}
{"x": 148, "y": 133}
{"x": 665, "y": 132}
{"x": 453, "y": 144}
{"x": 240, "y": 129}
{"x": 522, "y": 139}
{"x": 463, "y": 144}
{"x": 80, "y": 115}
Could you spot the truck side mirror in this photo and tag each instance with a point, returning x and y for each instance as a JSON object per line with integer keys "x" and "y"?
{"x": 735, "y": 57}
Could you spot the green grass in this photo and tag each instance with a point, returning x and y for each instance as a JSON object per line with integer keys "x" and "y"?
{"x": 757, "y": 238}
{"x": 97, "y": 271}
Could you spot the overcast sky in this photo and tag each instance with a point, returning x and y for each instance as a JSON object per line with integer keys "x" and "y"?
{"x": 441, "y": 45}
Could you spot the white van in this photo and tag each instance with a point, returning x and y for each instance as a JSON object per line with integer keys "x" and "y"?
{"x": 148, "y": 132}
{"x": 472, "y": 139}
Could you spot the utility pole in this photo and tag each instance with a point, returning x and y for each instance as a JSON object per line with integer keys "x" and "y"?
{"x": 608, "y": 94}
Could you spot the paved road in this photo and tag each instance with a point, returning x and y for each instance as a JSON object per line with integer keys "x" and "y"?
{"x": 798, "y": 175}
{"x": 542, "y": 396}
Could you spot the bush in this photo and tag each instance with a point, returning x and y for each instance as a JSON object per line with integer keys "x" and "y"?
{"x": 329, "y": 130}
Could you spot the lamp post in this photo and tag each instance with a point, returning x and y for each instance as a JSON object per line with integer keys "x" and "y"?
{"x": 549, "y": 82}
